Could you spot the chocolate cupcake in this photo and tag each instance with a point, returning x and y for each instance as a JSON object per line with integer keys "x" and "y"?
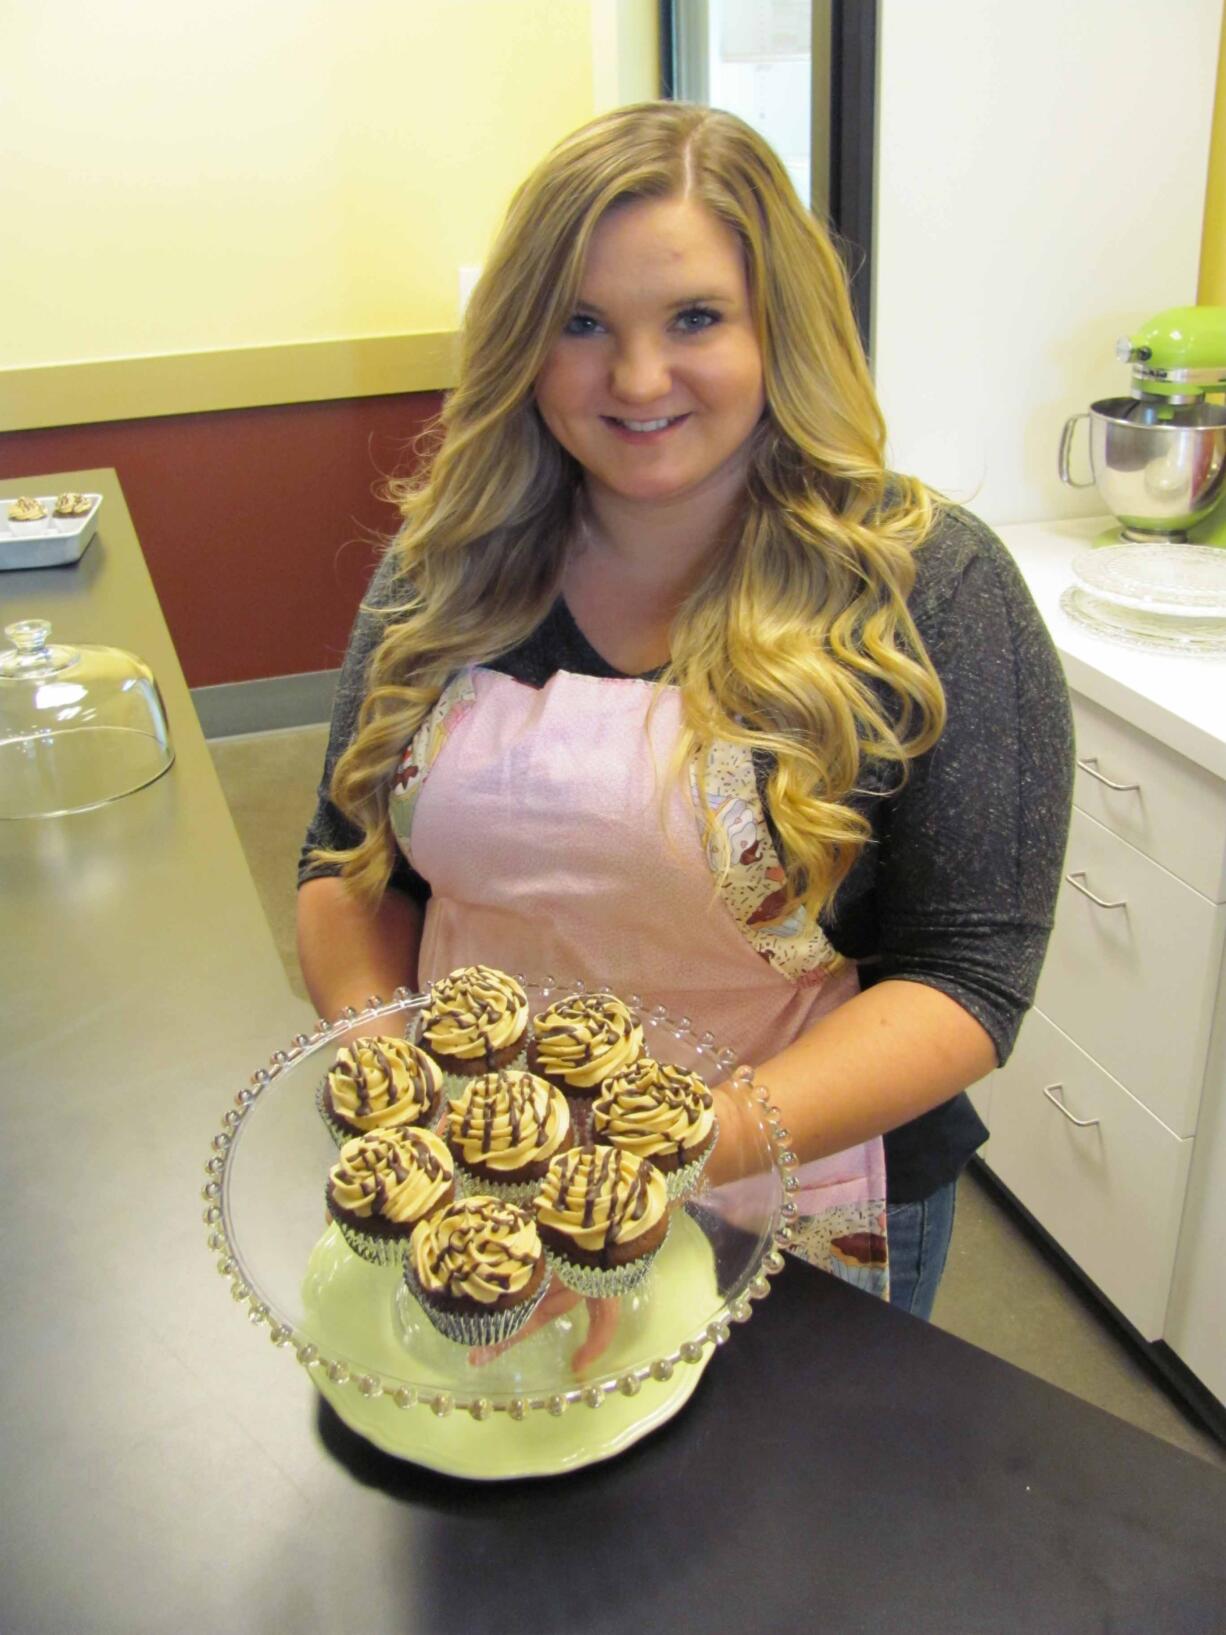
{"x": 662, "y": 1113}
{"x": 602, "y": 1215}
{"x": 383, "y": 1184}
{"x": 474, "y": 1023}
{"x": 477, "y": 1269}
{"x": 379, "y": 1083}
{"x": 503, "y": 1129}
{"x": 582, "y": 1039}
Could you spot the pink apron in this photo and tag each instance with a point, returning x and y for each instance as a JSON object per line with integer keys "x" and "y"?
{"x": 538, "y": 817}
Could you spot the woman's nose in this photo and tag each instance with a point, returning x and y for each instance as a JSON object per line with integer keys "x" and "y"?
{"x": 640, "y": 373}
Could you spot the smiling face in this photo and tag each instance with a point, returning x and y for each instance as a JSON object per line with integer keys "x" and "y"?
{"x": 656, "y": 384}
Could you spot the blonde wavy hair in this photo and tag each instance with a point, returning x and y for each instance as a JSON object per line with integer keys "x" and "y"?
{"x": 797, "y": 642}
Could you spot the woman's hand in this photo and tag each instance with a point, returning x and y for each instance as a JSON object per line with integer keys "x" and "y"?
{"x": 730, "y": 1160}
{"x": 601, "y": 1326}
{"x": 888, "y": 1054}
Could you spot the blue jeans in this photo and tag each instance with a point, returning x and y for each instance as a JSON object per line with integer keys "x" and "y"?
{"x": 918, "y": 1236}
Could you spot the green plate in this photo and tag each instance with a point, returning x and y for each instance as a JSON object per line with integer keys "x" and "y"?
{"x": 363, "y": 1311}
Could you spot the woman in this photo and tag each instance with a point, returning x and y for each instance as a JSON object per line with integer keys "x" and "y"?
{"x": 699, "y": 701}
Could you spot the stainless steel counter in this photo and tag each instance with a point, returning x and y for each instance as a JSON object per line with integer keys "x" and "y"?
{"x": 141, "y": 988}
{"x": 840, "y": 1466}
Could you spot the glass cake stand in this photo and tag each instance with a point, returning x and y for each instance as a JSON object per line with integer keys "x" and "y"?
{"x": 369, "y": 1348}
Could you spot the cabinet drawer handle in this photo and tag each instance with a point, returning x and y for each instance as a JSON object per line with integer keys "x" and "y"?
{"x": 1090, "y": 765}
{"x": 1075, "y": 880}
{"x": 1082, "y": 1123}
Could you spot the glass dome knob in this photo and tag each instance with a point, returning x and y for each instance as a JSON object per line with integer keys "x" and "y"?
{"x": 33, "y": 654}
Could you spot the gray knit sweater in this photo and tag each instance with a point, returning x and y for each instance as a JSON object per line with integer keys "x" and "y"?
{"x": 958, "y": 887}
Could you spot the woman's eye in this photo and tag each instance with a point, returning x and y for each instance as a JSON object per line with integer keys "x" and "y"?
{"x": 694, "y": 319}
{"x": 581, "y": 323}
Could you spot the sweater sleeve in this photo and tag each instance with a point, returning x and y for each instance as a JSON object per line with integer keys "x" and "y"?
{"x": 329, "y": 828}
{"x": 970, "y": 848}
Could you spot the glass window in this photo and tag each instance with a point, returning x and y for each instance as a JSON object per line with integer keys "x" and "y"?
{"x": 753, "y": 58}
{"x": 803, "y": 74}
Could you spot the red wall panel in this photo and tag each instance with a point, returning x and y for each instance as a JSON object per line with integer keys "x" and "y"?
{"x": 260, "y": 526}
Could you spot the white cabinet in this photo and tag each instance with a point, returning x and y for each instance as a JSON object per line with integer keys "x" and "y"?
{"x": 1196, "y": 1318}
{"x": 1131, "y": 970}
{"x": 1094, "y": 1167}
{"x": 1093, "y": 1117}
{"x": 1162, "y": 803}
{"x": 1108, "y": 1123}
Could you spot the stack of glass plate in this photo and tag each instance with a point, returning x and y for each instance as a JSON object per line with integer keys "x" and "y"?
{"x": 1167, "y": 597}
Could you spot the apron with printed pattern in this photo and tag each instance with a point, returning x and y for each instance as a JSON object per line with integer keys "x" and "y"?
{"x": 556, "y": 840}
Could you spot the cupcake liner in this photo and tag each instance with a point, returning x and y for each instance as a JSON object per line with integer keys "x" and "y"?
{"x": 474, "y": 1328}
{"x": 378, "y": 1251}
{"x": 679, "y": 1183}
{"x": 601, "y": 1282}
{"x": 335, "y": 1130}
{"x": 455, "y": 1083}
{"x": 469, "y": 1185}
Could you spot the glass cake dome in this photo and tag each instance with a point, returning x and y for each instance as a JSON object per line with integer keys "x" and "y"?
{"x": 79, "y": 726}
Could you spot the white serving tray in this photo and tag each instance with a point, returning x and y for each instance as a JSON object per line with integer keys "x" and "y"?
{"x": 49, "y": 541}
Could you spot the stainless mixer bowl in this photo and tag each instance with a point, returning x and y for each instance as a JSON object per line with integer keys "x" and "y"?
{"x": 1158, "y": 475}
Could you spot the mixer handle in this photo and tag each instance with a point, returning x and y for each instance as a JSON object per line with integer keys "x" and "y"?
{"x": 1066, "y": 444}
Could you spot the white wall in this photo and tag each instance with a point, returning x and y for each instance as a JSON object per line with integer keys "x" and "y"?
{"x": 1040, "y": 191}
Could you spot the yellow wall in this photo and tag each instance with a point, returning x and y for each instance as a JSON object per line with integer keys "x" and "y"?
{"x": 229, "y": 176}
{"x": 1212, "y": 287}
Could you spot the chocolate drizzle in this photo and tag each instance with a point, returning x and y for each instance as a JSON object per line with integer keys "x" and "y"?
{"x": 383, "y": 1075}
{"x": 476, "y": 1003}
{"x": 361, "y": 1083}
{"x": 654, "y": 1108}
{"x": 479, "y": 1238}
{"x": 506, "y": 1113}
{"x": 582, "y": 1031}
{"x": 369, "y": 1164}
{"x": 601, "y": 1183}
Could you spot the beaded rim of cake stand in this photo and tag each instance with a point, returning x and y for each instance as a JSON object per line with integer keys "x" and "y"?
{"x": 627, "y": 1382}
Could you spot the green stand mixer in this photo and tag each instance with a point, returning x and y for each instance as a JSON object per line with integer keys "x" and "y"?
{"x": 1159, "y": 455}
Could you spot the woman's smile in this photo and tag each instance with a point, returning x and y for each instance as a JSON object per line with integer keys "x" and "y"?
{"x": 645, "y": 431}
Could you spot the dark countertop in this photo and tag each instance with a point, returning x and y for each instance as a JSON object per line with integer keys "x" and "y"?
{"x": 840, "y": 1467}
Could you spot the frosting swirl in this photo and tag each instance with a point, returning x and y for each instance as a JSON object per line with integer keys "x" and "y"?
{"x": 504, "y": 1121}
{"x": 379, "y": 1082}
{"x": 391, "y": 1175}
{"x": 477, "y": 1247}
{"x": 473, "y": 1013}
{"x": 599, "y": 1195}
{"x": 654, "y": 1109}
{"x": 584, "y": 1038}
{"x": 72, "y": 505}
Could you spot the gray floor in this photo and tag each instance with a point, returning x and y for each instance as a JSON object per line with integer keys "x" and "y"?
{"x": 1000, "y": 1291}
